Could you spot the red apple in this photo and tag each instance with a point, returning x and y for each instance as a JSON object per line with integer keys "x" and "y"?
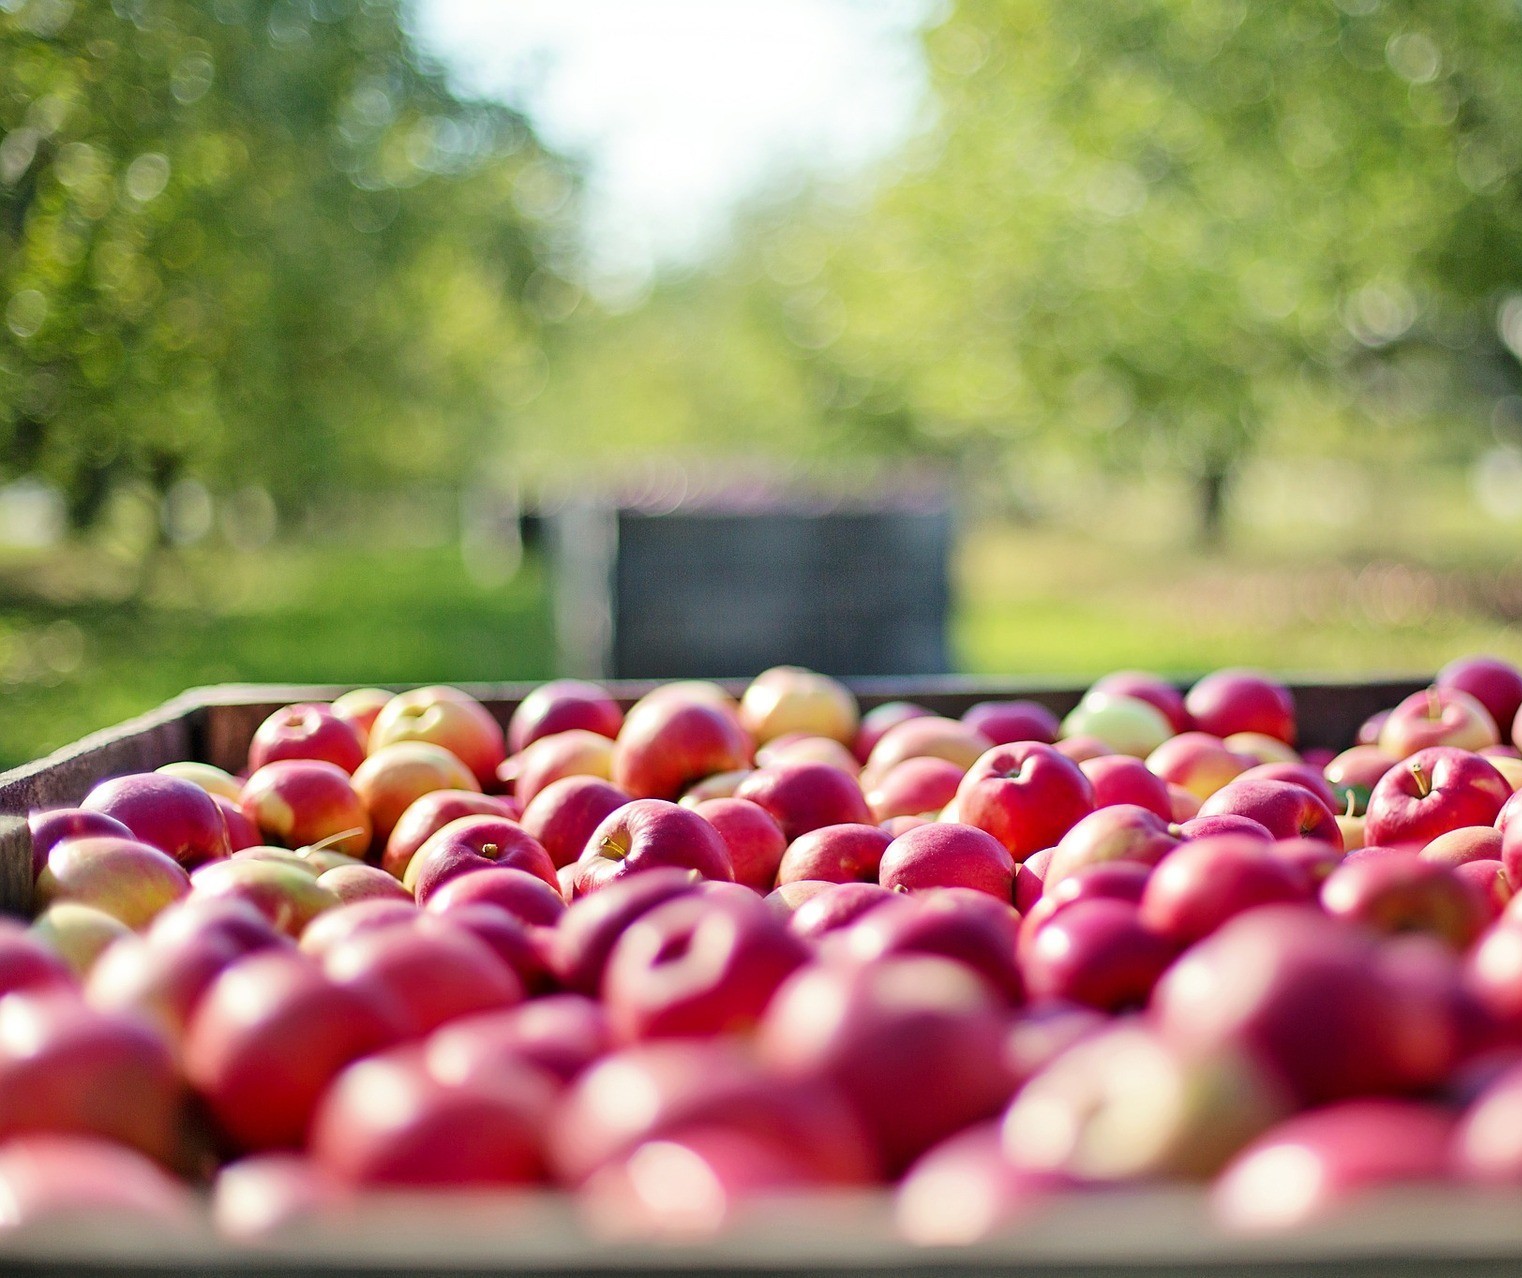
{"x": 754, "y": 839}
{"x": 563, "y": 815}
{"x": 915, "y": 787}
{"x": 444, "y": 717}
{"x": 308, "y": 730}
{"x": 1229, "y": 701}
{"x": 577, "y": 753}
{"x": 28, "y": 963}
{"x": 175, "y": 816}
{"x": 1120, "y": 832}
{"x": 561, "y": 1034}
{"x": 948, "y": 855}
{"x": 1207, "y": 881}
{"x": 1405, "y": 894}
{"x": 301, "y": 802}
{"x": 1005, "y": 722}
{"x": 1030, "y": 878}
{"x": 358, "y": 708}
{"x": 525, "y": 896}
{"x": 1300, "y": 774}
{"x": 593, "y": 924}
{"x": 1434, "y": 791}
{"x": 1026, "y": 795}
{"x": 353, "y": 918}
{"x": 837, "y": 905}
{"x": 1111, "y": 880}
{"x": 668, "y": 743}
{"x": 1287, "y": 810}
{"x": 647, "y": 834}
{"x": 1227, "y": 823}
{"x": 802, "y": 797}
{"x": 1096, "y": 952}
{"x": 966, "y": 927}
{"x": 1357, "y": 770}
{"x": 1122, "y": 778}
{"x": 474, "y": 843}
{"x": 1488, "y": 879}
{"x": 560, "y": 706}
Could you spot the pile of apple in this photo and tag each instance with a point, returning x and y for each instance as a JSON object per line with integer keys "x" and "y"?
{"x": 708, "y": 952}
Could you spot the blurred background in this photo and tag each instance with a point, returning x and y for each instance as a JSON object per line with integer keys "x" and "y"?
{"x": 336, "y": 335}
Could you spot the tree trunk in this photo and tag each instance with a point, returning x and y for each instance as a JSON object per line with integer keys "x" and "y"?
{"x": 1212, "y": 492}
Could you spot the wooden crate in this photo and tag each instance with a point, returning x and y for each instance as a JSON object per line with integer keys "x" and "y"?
{"x": 1145, "y": 1231}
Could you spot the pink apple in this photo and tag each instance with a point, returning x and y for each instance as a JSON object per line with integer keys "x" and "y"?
{"x": 1112, "y": 880}
{"x": 915, "y": 787}
{"x": 302, "y": 802}
{"x": 241, "y": 832}
{"x": 308, "y": 730}
{"x": 525, "y": 896}
{"x": 837, "y": 905}
{"x": 924, "y": 735}
{"x": 593, "y": 924}
{"x": 27, "y": 962}
{"x": 564, "y": 814}
{"x": 848, "y": 853}
{"x": 474, "y": 843}
{"x": 1005, "y": 722}
{"x": 561, "y": 1034}
{"x": 802, "y": 797}
{"x": 576, "y": 753}
{"x": 1201, "y": 827}
{"x": 49, "y": 828}
{"x": 669, "y": 743}
{"x": 1197, "y": 761}
{"x": 1437, "y": 717}
{"x": 287, "y": 895}
{"x": 1465, "y": 844}
{"x": 1207, "y": 881}
{"x": 444, "y": 717}
{"x": 1286, "y": 809}
{"x": 1435, "y": 790}
{"x": 754, "y": 839}
{"x": 1300, "y": 774}
{"x": 1405, "y": 894}
{"x": 1096, "y": 952}
{"x": 1229, "y": 701}
{"x": 55, "y": 1184}
{"x": 560, "y": 706}
{"x": 175, "y": 816}
{"x": 1026, "y": 795}
{"x": 876, "y": 721}
{"x": 1488, "y": 879}
{"x": 646, "y": 834}
{"x": 948, "y": 855}
{"x": 1120, "y": 832}
{"x": 964, "y": 1191}
{"x": 429, "y": 814}
{"x": 1495, "y": 684}
{"x": 1030, "y": 878}
{"x": 966, "y": 927}
{"x": 351, "y": 919}
{"x": 1122, "y": 778}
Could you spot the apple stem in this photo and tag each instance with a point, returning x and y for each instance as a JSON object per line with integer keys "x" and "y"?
{"x": 333, "y": 840}
{"x": 1423, "y": 782}
{"x": 1352, "y": 803}
{"x": 611, "y": 851}
{"x": 1434, "y": 705}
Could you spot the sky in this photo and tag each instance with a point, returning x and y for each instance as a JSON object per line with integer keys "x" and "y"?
{"x": 682, "y": 108}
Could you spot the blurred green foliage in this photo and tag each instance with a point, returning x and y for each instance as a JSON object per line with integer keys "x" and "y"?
{"x": 258, "y": 242}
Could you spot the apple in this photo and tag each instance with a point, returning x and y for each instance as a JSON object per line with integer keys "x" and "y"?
{"x": 696, "y": 966}
{"x": 27, "y": 962}
{"x": 1486, "y": 1146}
{"x": 790, "y": 699}
{"x": 525, "y": 896}
{"x": 130, "y": 881}
{"x": 362, "y": 883}
{"x": 1437, "y": 717}
{"x": 67, "y": 1068}
{"x": 1096, "y": 952}
{"x": 1312, "y": 858}
{"x": 300, "y": 802}
{"x": 267, "y": 1039}
{"x": 924, "y": 735}
{"x": 1489, "y": 880}
{"x": 576, "y": 753}
{"x": 1198, "y": 762}
{"x": 265, "y": 1198}
{"x": 721, "y": 785}
{"x": 876, "y": 721}
{"x": 848, "y": 853}
{"x": 1183, "y": 806}
{"x": 79, "y": 934}
{"x": 429, "y": 1133}
{"x": 561, "y": 1034}
{"x": 396, "y": 776}
{"x": 358, "y": 708}
{"x": 1237, "y": 700}
{"x": 563, "y": 815}
{"x": 1287, "y": 810}
{"x": 1467, "y": 843}
{"x": 947, "y": 855}
{"x": 1201, "y": 827}
{"x": 1005, "y": 722}
{"x": 1312, "y": 1165}
{"x": 669, "y": 743}
{"x": 226, "y": 922}
{"x": 1495, "y": 684}
{"x": 288, "y": 896}
{"x": 1112, "y": 880}
{"x": 175, "y": 816}
{"x": 754, "y": 839}
{"x": 49, "y": 828}
{"x": 887, "y": 1035}
{"x": 1030, "y": 878}
{"x": 1435, "y": 790}
{"x": 241, "y": 832}
{"x": 54, "y": 1184}
{"x": 1405, "y": 894}
{"x": 1300, "y": 774}
{"x": 1145, "y": 687}
{"x": 352, "y": 918}
{"x": 1026, "y": 795}
{"x": 1356, "y": 771}
{"x": 593, "y": 924}
{"x": 429, "y": 814}
{"x": 649, "y": 833}
{"x": 473, "y": 843}
{"x": 794, "y": 748}
{"x": 1123, "y": 778}
{"x": 802, "y": 797}
{"x": 1207, "y": 881}
{"x": 560, "y": 706}
{"x": 1261, "y": 748}
{"x": 1079, "y": 749}
{"x": 160, "y": 981}
{"x": 444, "y": 717}
{"x": 837, "y": 905}
{"x": 967, "y": 927}
{"x": 1128, "y": 725}
{"x": 212, "y": 779}
{"x": 1120, "y": 832}
{"x": 964, "y": 1191}
{"x": 309, "y": 730}
{"x": 915, "y": 787}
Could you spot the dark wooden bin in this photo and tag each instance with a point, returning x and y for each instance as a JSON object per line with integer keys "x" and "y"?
{"x": 1150, "y": 1231}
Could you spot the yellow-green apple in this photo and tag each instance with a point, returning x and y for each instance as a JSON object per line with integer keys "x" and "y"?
{"x": 754, "y": 839}
{"x": 1125, "y": 1104}
{"x": 847, "y": 853}
{"x": 1435, "y": 790}
{"x": 1198, "y": 762}
{"x": 946, "y": 855}
{"x": 1286, "y": 809}
{"x": 876, "y": 721}
{"x": 428, "y": 970}
{"x": 1404, "y": 893}
{"x": 1097, "y": 952}
{"x": 175, "y": 816}
{"x": 50, "y": 827}
{"x": 647, "y": 834}
{"x": 924, "y": 735}
{"x": 1437, "y": 717}
{"x": 806, "y": 796}
{"x": 1316, "y": 1164}
{"x": 1495, "y": 684}
{"x": 300, "y": 802}
{"x": 563, "y": 815}
{"x": 575, "y": 753}
{"x": 362, "y": 882}
{"x": 1128, "y": 725}
{"x": 1238, "y": 700}
{"x": 1026, "y": 795}
{"x": 474, "y": 843}
{"x": 885, "y": 1031}
{"x": 78, "y": 934}
{"x": 267, "y": 1039}
{"x": 696, "y": 966}
{"x": 1123, "y": 778}
{"x": 1004, "y": 722}
{"x": 54, "y": 1183}
{"x": 560, "y": 706}
{"x": 288, "y": 896}
{"x": 1204, "y": 882}
{"x": 432, "y": 1133}
{"x": 130, "y": 881}
{"x": 395, "y": 777}
{"x": 430, "y": 813}
{"x": 358, "y": 708}
{"x": 211, "y": 779}
{"x": 592, "y": 924}
{"x": 1261, "y": 748}
{"x": 837, "y": 906}
{"x": 67, "y": 1068}
{"x": 668, "y": 743}
{"x": 1150, "y": 688}
{"x": 444, "y": 717}
{"x": 307, "y": 730}
{"x": 790, "y": 699}
{"x": 915, "y": 787}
